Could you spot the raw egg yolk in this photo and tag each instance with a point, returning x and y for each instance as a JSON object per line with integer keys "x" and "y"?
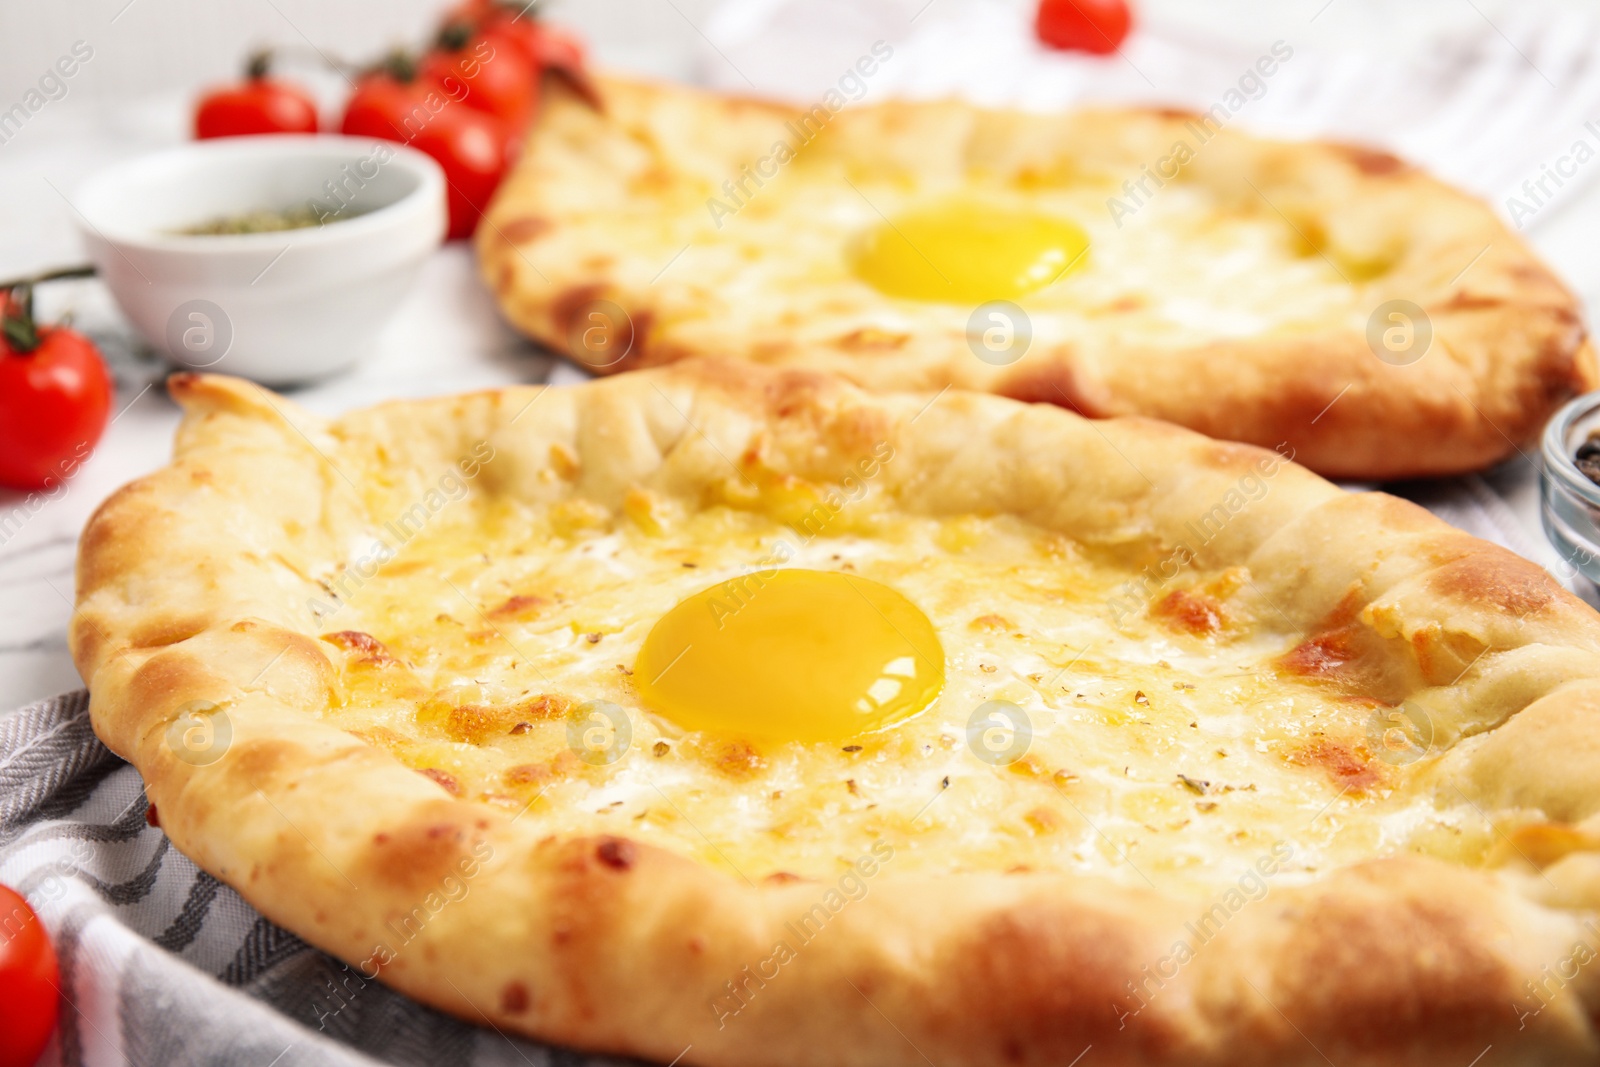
{"x": 970, "y": 253}
{"x": 793, "y": 655}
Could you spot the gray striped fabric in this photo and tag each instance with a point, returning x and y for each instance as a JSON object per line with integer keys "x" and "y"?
{"x": 164, "y": 966}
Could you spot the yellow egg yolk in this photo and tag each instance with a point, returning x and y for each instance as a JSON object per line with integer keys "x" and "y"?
{"x": 791, "y": 654}
{"x": 971, "y": 253}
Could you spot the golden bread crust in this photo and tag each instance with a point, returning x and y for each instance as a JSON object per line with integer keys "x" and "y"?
{"x": 193, "y": 585}
{"x": 613, "y": 206}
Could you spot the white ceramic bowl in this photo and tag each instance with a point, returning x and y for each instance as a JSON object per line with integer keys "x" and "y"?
{"x": 282, "y": 307}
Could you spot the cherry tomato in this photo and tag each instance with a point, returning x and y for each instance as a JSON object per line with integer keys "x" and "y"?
{"x": 550, "y": 49}
{"x": 473, "y": 149}
{"x": 514, "y": 19}
{"x": 516, "y": 37}
{"x": 556, "y": 49}
{"x": 1083, "y": 25}
{"x": 543, "y": 44}
{"x": 55, "y": 397}
{"x": 396, "y": 104}
{"x": 29, "y": 983}
{"x": 489, "y": 73}
{"x": 390, "y": 103}
{"x": 259, "y": 104}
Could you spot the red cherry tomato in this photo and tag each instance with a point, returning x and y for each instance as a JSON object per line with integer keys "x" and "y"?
{"x": 55, "y": 397}
{"x": 546, "y": 46}
{"x": 550, "y": 49}
{"x": 473, "y": 149}
{"x": 29, "y": 982}
{"x": 518, "y": 26}
{"x": 1097, "y": 26}
{"x": 391, "y": 104}
{"x": 556, "y": 49}
{"x": 471, "y": 146}
{"x": 506, "y": 35}
{"x": 259, "y": 104}
{"x": 489, "y": 73}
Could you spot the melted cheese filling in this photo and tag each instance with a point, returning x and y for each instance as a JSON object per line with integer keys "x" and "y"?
{"x": 1176, "y": 269}
{"x": 497, "y": 653}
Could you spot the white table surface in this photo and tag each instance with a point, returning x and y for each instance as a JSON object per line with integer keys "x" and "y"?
{"x": 448, "y": 337}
